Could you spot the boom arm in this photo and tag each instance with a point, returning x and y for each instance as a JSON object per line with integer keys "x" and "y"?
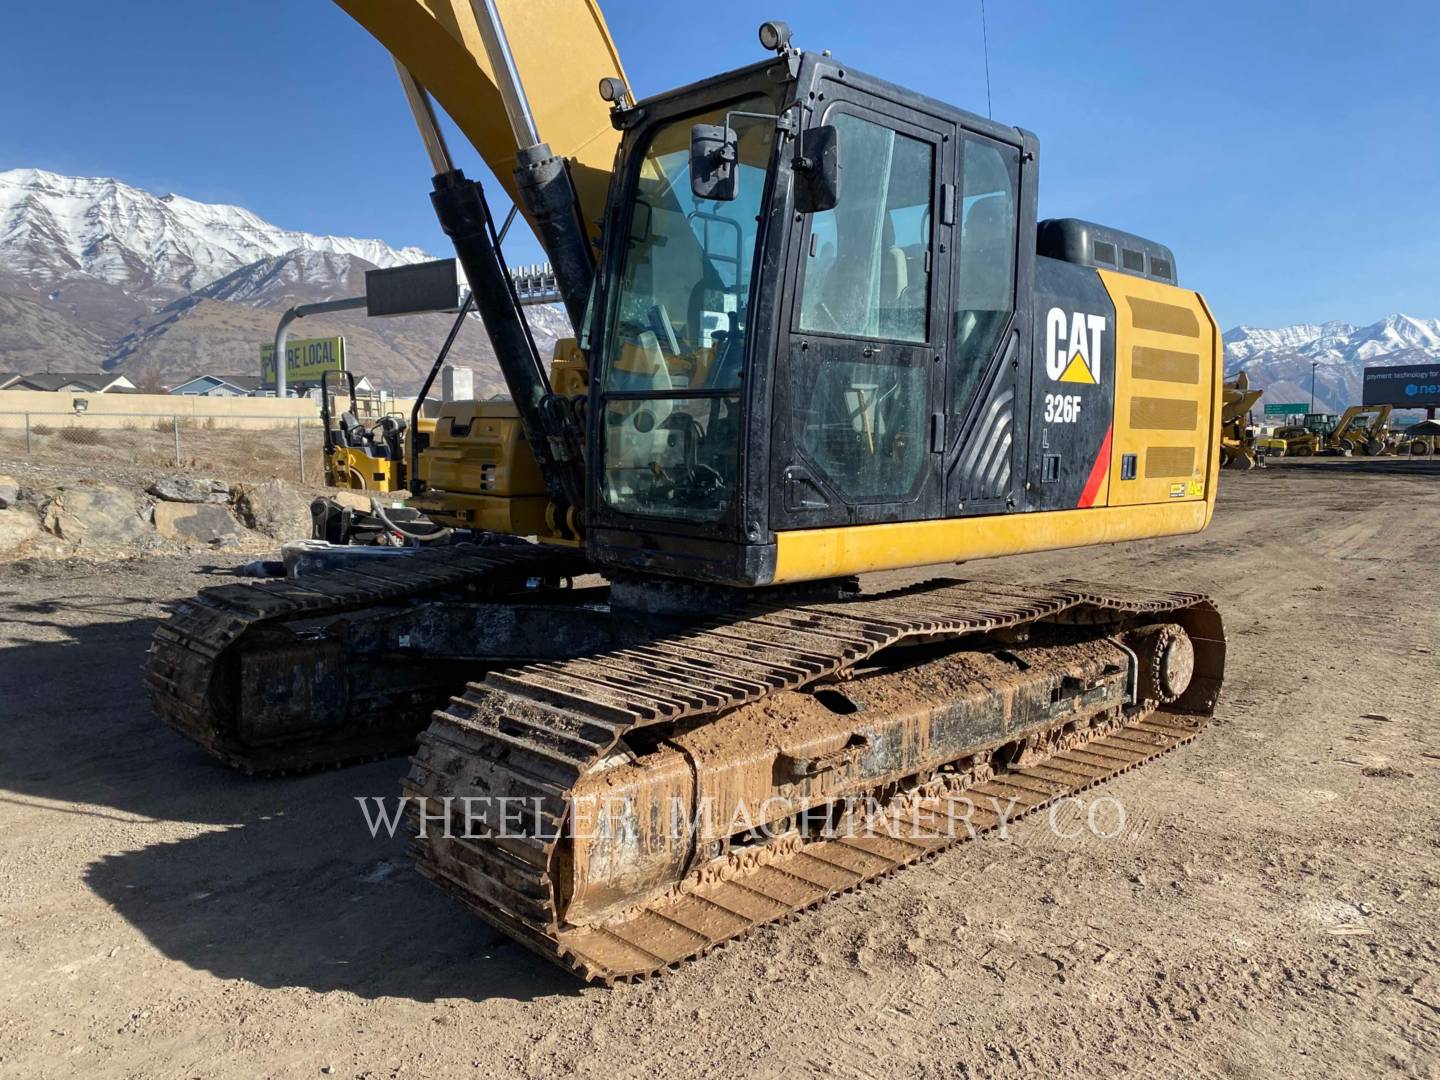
{"x": 562, "y": 50}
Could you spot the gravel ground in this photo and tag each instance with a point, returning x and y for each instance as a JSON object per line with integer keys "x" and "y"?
{"x": 1270, "y": 907}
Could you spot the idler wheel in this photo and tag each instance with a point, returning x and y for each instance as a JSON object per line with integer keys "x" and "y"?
{"x": 1167, "y": 661}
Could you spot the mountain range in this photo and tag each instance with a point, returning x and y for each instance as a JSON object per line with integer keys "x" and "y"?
{"x": 97, "y": 274}
{"x": 1284, "y": 360}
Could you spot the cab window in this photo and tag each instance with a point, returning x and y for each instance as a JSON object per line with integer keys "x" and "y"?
{"x": 867, "y": 272}
{"x": 989, "y": 211}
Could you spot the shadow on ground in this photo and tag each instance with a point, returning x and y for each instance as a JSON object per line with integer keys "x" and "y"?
{"x": 1375, "y": 466}
{"x": 284, "y": 887}
{"x": 76, "y": 726}
{"x": 303, "y": 896}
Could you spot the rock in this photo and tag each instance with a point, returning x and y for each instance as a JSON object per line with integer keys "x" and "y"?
{"x": 186, "y": 489}
{"x": 18, "y": 527}
{"x": 197, "y": 523}
{"x": 9, "y": 492}
{"x": 274, "y": 508}
{"x": 96, "y": 517}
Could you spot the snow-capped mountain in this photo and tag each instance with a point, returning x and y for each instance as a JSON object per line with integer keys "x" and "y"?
{"x": 1280, "y": 360}
{"x": 97, "y": 274}
{"x": 54, "y": 228}
{"x": 297, "y": 277}
{"x": 1338, "y": 342}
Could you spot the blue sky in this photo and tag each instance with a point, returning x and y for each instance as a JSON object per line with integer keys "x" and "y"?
{"x": 1288, "y": 152}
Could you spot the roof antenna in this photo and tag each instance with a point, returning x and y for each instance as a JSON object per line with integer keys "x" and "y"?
{"x": 985, "y": 38}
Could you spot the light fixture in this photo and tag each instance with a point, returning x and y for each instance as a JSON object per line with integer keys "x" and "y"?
{"x": 614, "y": 90}
{"x": 775, "y": 36}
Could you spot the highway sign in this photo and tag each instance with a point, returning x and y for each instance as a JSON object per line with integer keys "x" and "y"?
{"x": 1297, "y": 409}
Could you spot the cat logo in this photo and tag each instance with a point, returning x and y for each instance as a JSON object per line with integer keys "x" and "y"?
{"x": 1076, "y": 358}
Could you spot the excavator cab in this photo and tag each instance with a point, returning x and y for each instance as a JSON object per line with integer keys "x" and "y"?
{"x": 828, "y": 327}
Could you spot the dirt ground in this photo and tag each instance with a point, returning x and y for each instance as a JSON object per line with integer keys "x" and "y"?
{"x": 1270, "y": 908}
{"x": 148, "y": 447}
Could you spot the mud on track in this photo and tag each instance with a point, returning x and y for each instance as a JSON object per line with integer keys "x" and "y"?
{"x": 1269, "y": 909}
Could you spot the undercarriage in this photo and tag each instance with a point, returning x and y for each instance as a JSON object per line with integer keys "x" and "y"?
{"x": 621, "y": 783}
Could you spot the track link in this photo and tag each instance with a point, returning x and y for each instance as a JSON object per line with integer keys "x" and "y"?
{"x": 193, "y": 670}
{"x": 528, "y": 735}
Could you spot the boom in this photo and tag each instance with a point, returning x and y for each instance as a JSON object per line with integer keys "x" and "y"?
{"x": 562, "y": 50}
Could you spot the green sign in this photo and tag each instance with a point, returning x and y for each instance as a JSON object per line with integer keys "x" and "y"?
{"x": 1298, "y": 409}
{"x": 305, "y": 359}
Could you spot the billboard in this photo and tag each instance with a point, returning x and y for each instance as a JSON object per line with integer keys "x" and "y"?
{"x": 305, "y": 360}
{"x": 1413, "y": 386}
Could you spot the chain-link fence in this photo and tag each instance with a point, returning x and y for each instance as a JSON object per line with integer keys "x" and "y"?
{"x": 231, "y": 447}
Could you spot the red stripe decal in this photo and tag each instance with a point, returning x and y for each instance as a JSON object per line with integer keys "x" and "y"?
{"x": 1097, "y": 471}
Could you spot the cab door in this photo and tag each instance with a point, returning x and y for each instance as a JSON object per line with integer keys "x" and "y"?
{"x": 858, "y": 414}
{"x": 989, "y": 333}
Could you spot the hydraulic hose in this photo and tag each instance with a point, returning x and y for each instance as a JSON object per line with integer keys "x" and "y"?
{"x": 419, "y": 538}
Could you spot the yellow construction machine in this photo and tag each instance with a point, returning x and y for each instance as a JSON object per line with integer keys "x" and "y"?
{"x": 372, "y": 454}
{"x": 820, "y": 333}
{"x": 361, "y": 456}
{"x": 1421, "y": 439}
{"x": 1239, "y": 448}
{"x": 1293, "y": 440}
{"x": 1353, "y": 435}
{"x": 1331, "y": 433}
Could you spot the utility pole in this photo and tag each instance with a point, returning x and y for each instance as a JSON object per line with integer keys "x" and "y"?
{"x": 1313, "y": 365}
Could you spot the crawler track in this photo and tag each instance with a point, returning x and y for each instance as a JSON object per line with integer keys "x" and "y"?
{"x": 196, "y": 672}
{"x": 531, "y": 734}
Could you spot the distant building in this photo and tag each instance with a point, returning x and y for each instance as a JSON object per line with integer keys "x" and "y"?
{"x": 84, "y": 382}
{"x": 220, "y": 386}
{"x": 252, "y": 386}
{"x": 365, "y": 390}
{"x": 339, "y": 385}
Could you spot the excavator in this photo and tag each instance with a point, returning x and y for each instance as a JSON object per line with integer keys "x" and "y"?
{"x": 820, "y": 334}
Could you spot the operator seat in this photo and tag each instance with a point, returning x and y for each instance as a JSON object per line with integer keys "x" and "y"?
{"x": 351, "y": 432}
{"x": 847, "y": 299}
{"x": 984, "y": 294}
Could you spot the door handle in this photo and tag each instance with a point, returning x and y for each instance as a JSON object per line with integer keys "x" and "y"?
{"x": 937, "y": 433}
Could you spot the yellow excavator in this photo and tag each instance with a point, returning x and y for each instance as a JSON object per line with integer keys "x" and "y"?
{"x": 820, "y": 333}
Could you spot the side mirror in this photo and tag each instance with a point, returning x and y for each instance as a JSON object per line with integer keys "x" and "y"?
{"x": 817, "y": 170}
{"x": 713, "y": 152}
